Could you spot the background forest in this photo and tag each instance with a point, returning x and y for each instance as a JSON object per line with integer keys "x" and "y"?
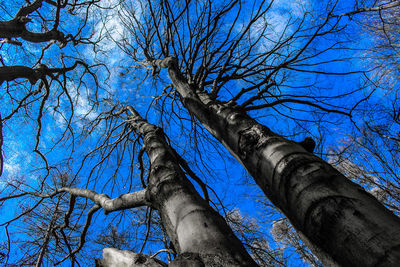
{"x": 217, "y": 133}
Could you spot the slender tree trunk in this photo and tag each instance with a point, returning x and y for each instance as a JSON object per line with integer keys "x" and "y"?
{"x": 198, "y": 233}
{"x": 336, "y": 215}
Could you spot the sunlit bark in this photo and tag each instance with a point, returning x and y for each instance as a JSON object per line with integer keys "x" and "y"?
{"x": 197, "y": 231}
{"x": 336, "y": 215}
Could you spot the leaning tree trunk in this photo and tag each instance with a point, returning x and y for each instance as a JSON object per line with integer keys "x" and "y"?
{"x": 198, "y": 233}
{"x": 337, "y": 216}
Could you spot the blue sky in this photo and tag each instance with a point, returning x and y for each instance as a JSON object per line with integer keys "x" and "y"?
{"x": 119, "y": 83}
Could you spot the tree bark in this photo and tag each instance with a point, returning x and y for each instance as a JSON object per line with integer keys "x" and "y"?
{"x": 9, "y": 73}
{"x": 121, "y": 258}
{"x": 336, "y": 215}
{"x": 199, "y": 234}
{"x": 17, "y": 28}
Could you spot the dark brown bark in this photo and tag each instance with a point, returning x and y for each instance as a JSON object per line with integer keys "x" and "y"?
{"x": 9, "y": 73}
{"x": 17, "y": 28}
{"x": 198, "y": 232}
{"x": 336, "y": 215}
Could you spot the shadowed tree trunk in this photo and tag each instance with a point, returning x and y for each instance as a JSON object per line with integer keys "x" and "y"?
{"x": 336, "y": 215}
{"x": 199, "y": 234}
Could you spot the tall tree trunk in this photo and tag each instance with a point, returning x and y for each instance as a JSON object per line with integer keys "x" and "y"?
{"x": 198, "y": 233}
{"x": 336, "y": 215}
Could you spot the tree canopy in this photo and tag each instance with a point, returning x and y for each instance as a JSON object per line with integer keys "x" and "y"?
{"x": 199, "y": 131}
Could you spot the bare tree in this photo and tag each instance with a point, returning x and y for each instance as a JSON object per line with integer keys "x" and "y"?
{"x": 255, "y": 240}
{"x": 198, "y": 233}
{"x": 373, "y": 148}
{"x": 227, "y": 65}
{"x": 33, "y": 79}
{"x": 205, "y": 59}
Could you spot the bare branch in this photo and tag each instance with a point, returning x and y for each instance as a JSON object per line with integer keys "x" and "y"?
{"x": 122, "y": 202}
{"x": 389, "y": 5}
{"x": 83, "y": 234}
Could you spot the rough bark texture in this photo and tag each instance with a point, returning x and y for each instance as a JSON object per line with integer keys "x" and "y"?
{"x": 333, "y": 213}
{"x": 199, "y": 234}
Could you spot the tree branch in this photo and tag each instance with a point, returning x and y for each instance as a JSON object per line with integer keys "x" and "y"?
{"x": 124, "y": 201}
{"x": 297, "y": 101}
{"x": 370, "y": 9}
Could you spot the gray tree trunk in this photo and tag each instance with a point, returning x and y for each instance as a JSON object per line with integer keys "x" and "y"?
{"x": 336, "y": 215}
{"x": 199, "y": 234}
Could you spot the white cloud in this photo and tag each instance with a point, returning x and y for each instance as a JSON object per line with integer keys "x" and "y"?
{"x": 11, "y": 168}
{"x": 16, "y": 160}
{"x": 284, "y": 12}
